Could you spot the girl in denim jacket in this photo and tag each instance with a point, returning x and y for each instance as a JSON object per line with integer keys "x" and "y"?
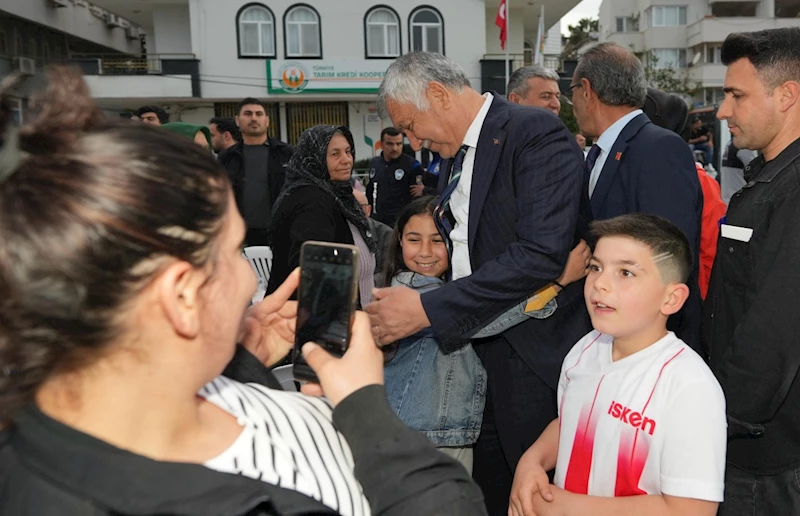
{"x": 442, "y": 395}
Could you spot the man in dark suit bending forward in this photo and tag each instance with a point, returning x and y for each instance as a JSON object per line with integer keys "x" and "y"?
{"x": 513, "y": 209}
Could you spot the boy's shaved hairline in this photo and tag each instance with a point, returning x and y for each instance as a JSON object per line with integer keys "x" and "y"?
{"x": 665, "y": 263}
{"x": 668, "y": 246}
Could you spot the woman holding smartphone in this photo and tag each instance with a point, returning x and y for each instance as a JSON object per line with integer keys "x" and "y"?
{"x": 122, "y": 294}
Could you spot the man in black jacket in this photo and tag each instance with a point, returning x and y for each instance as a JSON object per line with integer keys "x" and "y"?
{"x": 256, "y": 167}
{"x": 392, "y": 177}
{"x": 752, "y": 331}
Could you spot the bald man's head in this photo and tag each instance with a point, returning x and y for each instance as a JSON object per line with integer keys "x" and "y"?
{"x": 361, "y": 197}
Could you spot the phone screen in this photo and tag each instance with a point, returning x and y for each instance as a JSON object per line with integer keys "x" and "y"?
{"x": 325, "y": 301}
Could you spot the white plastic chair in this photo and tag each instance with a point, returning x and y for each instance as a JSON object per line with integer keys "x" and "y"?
{"x": 260, "y": 258}
{"x": 285, "y": 377}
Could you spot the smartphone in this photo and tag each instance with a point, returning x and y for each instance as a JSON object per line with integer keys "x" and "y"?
{"x": 326, "y": 301}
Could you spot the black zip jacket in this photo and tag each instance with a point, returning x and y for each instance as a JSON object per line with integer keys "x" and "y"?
{"x": 49, "y": 468}
{"x": 751, "y": 327}
{"x": 233, "y": 161}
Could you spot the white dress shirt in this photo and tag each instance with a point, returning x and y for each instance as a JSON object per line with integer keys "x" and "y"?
{"x": 605, "y": 143}
{"x": 459, "y": 200}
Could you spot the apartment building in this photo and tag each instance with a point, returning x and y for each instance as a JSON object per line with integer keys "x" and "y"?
{"x": 319, "y": 61}
{"x": 687, "y": 35}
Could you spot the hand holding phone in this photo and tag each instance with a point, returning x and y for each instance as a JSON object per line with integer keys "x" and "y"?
{"x": 361, "y": 365}
{"x": 267, "y": 329}
{"x": 326, "y": 301}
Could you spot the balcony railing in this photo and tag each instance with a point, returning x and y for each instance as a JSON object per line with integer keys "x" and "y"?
{"x": 121, "y": 64}
{"x": 517, "y": 60}
{"x": 146, "y": 64}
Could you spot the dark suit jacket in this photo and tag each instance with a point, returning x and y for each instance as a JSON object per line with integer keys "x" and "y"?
{"x": 528, "y": 207}
{"x": 651, "y": 169}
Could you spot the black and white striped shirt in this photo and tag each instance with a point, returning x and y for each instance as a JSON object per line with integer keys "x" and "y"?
{"x": 288, "y": 440}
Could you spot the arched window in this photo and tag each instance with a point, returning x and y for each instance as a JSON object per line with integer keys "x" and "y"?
{"x": 382, "y": 31}
{"x": 302, "y": 32}
{"x": 256, "y": 31}
{"x": 427, "y": 30}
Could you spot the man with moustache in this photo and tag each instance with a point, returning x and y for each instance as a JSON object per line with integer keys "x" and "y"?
{"x": 256, "y": 168}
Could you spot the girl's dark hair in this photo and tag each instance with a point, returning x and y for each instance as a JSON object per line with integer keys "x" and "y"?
{"x": 91, "y": 209}
{"x": 394, "y": 257}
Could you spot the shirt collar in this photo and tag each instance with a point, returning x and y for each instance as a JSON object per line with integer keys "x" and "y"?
{"x": 474, "y": 131}
{"x": 765, "y": 171}
{"x": 610, "y": 135}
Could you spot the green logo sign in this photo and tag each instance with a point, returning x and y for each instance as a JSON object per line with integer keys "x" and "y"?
{"x": 293, "y": 77}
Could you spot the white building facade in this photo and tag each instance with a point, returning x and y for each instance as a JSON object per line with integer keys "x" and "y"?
{"x": 315, "y": 61}
{"x": 687, "y": 34}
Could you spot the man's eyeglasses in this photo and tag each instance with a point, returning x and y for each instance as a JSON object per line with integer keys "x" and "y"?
{"x": 569, "y": 92}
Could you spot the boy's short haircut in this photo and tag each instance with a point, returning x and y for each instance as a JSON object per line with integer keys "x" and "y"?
{"x": 670, "y": 247}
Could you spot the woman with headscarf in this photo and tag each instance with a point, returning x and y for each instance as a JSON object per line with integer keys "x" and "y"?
{"x": 317, "y": 203}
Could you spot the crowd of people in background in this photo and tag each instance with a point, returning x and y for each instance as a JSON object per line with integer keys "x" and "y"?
{"x": 580, "y": 323}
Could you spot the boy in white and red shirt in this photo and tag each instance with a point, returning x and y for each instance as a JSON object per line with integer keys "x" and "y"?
{"x": 641, "y": 427}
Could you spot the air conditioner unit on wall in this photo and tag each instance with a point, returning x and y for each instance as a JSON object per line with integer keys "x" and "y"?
{"x": 133, "y": 32}
{"x": 26, "y": 64}
{"x": 58, "y": 3}
{"x": 112, "y": 20}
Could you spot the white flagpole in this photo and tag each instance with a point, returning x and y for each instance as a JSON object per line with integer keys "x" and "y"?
{"x": 544, "y": 37}
{"x": 538, "y": 56}
{"x": 508, "y": 43}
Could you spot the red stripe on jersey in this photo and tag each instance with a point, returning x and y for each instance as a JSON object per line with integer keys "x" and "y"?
{"x": 566, "y": 373}
{"x": 631, "y": 461}
{"x": 633, "y": 450}
{"x": 580, "y": 460}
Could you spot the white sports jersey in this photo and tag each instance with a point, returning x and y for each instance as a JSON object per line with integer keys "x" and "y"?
{"x": 650, "y": 423}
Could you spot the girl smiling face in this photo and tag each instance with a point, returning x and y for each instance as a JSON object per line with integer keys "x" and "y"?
{"x": 424, "y": 250}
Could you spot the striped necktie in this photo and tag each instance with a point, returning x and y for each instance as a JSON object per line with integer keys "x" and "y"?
{"x": 455, "y": 175}
{"x": 442, "y": 215}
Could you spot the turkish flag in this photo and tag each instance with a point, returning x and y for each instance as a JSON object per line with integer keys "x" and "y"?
{"x": 502, "y": 21}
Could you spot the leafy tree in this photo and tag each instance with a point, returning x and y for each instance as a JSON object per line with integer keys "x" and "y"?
{"x": 578, "y": 35}
{"x": 666, "y": 78}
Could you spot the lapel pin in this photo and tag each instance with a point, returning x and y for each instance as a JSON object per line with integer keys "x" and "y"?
{"x": 496, "y": 141}
{"x": 618, "y": 156}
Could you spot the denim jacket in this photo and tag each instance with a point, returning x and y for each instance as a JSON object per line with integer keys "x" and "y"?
{"x": 440, "y": 395}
